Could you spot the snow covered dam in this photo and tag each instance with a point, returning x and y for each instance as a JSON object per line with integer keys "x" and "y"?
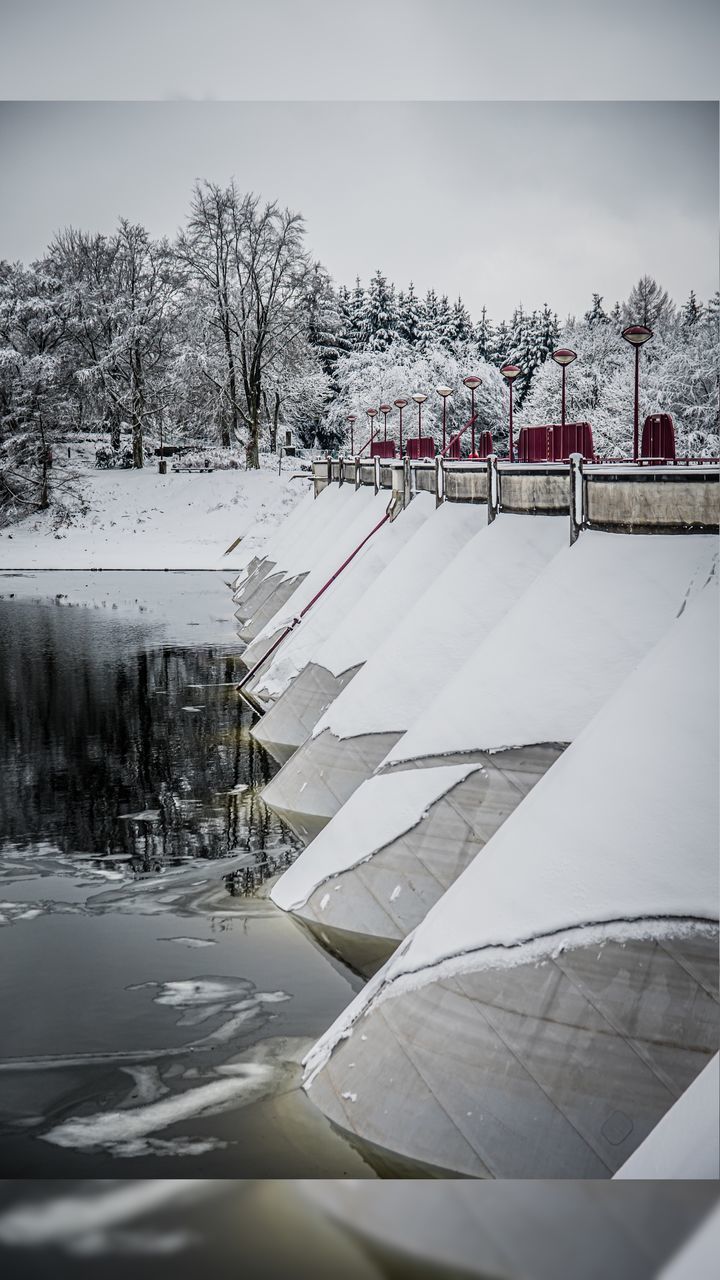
{"x": 493, "y": 692}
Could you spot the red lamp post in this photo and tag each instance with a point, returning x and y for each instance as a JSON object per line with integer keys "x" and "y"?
{"x": 400, "y": 404}
{"x": 564, "y": 356}
{"x": 352, "y": 419}
{"x": 637, "y": 335}
{"x": 473, "y": 382}
{"x": 444, "y": 392}
{"x": 510, "y": 372}
{"x": 372, "y": 415}
{"x": 419, "y": 399}
{"x": 385, "y": 409}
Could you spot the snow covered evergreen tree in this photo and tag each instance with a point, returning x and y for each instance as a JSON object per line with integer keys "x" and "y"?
{"x": 648, "y": 304}
{"x": 461, "y": 326}
{"x": 325, "y": 330}
{"x": 691, "y": 311}
{"x": 443, "y": 323}
{"x": 357, "y": 316}
{"x": 596, "y": 314}
{"x": 379, "y": 315}
{"x": 409, "y": 317}
{"x": 484, "y": 336}
{"x": 428, "y": 321}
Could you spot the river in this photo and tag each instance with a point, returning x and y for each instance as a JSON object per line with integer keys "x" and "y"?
{"x": 152, "y": 1022}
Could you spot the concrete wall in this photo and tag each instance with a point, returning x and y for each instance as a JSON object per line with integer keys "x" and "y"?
{"x": 623, "y": 498}
{"x": 534, "y": 490}
{"x": 660, "y": 499}
{"x": 553, "y": 1069}
{"x": 321, "y": 475}
{"x": 465, "y": 482}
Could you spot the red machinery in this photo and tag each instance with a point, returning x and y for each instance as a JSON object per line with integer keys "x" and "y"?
{"x": 382, "y": 449}
{"x": 555, "y": 443}
{"x": 658, "y": 438}
{"x": 420, "y": 447}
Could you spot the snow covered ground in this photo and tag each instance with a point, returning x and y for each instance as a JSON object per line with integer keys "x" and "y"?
{"x": 141, "y": 520}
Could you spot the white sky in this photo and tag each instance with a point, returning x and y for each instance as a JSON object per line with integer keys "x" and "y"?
{"x": 500, "y": 202}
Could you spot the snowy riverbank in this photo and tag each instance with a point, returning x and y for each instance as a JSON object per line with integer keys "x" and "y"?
{"x": 142, "y": 520}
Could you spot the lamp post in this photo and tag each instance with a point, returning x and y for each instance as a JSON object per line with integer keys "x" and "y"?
{"x": 637, "y": 335}
{"x": 444, "y": 392}
{"x": 473, "y": 382}
{"x": 400, "y": 404}
{"x": 372, "y": 414}
{"x": 419, "y": 399}
{"x": 510, "y": 372}
{"x": 352, "y": 419}
{"x": 385, "y": 409}
{"x": 564, "y": 356}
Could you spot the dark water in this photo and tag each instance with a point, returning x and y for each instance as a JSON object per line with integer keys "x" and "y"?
{"x": 151, "y": 1022}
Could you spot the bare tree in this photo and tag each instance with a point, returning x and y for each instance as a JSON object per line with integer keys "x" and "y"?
{"x": 251, "y": 267}
{"x": 121, "y": 298}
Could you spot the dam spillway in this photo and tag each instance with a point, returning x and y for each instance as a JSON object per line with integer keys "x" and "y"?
{"x": 416, "y": 737}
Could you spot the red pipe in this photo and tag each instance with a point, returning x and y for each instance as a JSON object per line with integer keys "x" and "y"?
{"x": 470, "y": 422}
{"x": 296, "y": 621}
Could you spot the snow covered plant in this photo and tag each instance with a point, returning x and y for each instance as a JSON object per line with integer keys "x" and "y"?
{"x": 370, "y": 378}
{"x": 679, "y": 376}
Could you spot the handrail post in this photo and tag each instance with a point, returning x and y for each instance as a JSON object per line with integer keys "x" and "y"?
{"x": 577, "y": 496}
{"x": 439, "y": 479}
{"x": 357, "y": 472}
{"x": 492, "y": 487}
{"x": 407, "y": 481}
{"x": 376, "y": 473}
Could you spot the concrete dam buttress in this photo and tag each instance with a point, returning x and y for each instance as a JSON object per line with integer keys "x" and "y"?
{"x": 480, "y": 709}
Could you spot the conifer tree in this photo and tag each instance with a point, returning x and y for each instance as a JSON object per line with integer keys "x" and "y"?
{"x": 409, "y": 317}
{"x": 691, "y": 311}
{"x": 443, "y": 323}
{"x": 379, "y": 324}
{"x": 484, "y": 336}
{"x": 648, "y": 304}
{"x": 357, "y": 316}
{"x": 596, "y": 314}
{"x": 461, "y": 327}
{"x": 428, "y": 321}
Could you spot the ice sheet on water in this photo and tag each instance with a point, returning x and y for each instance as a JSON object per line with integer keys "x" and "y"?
{"x": 191, "y": 942}
{"x": 94, "y": 1218}
{"x": 130, "y": 1132}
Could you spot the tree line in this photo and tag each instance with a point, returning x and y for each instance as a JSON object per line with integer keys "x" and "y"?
{"x": 232, "y": 330}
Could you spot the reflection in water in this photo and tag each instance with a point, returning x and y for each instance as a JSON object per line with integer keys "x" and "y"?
{"x": 363, "y": 1231}
{"x": 135, "y": 755}
{"x": 153, "y": 1018}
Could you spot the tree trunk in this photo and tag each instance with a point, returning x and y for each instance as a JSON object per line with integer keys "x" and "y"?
{"x": 229, "y": 422}
{"x": 114, "y": 428}
{"x": 252, "y": 448}
{"x": 137, "y": 407}
{"x": 275, "y": 420}
{"x": 44, "y": 485}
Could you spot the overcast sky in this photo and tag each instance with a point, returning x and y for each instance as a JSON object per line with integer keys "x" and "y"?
{"x": 499, "y": 202}
{"x": 350, "y": 49}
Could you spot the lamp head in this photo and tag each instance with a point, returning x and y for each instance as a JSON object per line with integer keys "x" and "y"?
{"x": 444, "y": 391}
{"x": 564, "y": 355}
{"x": 400, "y": 404}
{"x": 510, "y": 372}
{"x": 418, "y": 397}
{"x": 472, "y": 381}
{"x": 637, "y": 334}
{"x": 386, "y": 408}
